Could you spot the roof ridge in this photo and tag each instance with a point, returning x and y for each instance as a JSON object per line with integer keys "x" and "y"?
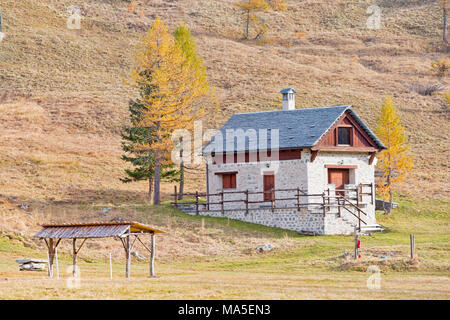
{"x": 317, "y": 108}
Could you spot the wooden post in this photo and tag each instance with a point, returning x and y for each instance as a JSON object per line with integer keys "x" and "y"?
{"x": 221, "y": 202}
{"x": 298, "y": 199}
{"x": 196, "y": 203}
{"x": 356, "y": 244}
{"x": 152, "y": 257}
{"x": 357, "y": 196}
{"x": 128, "y": 255}
{"x": 57, "y": 264}
{"x": 338, "y": 206}
{"x": 373, "y": 193}
{"x": 359, "y": 219}
{"x": 328, "y": 199}
{"x": 74, "y": 247}
{"x": 272, "y": 196}
{"x": 50, "y": 258}
{"x": 323, "y": 204}
{"x": 412, "y": 243}
{"x": 175, "y": 197}
{"x": 246, "y": 202}
{"x": 360, "y": 192}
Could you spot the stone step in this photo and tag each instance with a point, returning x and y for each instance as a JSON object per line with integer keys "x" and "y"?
{"x": 372, "y": 228}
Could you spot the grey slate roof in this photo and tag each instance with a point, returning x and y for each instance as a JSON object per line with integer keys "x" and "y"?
{"x": 300, "y": 128}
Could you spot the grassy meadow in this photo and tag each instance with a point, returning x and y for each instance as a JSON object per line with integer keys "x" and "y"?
{"x": 215, "y": 258}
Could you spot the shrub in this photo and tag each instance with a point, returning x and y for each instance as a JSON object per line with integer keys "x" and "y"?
{"x": 440, "y": 68}
{"x": 425, "y": 89}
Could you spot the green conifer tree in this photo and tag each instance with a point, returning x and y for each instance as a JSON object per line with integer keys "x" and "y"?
{"x": 142, "y": 159}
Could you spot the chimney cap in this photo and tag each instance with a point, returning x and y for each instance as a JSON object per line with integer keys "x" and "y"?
{"x": 288, "y": 90}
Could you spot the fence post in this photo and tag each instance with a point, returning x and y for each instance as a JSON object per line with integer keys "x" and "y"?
{"x": 412, "y": 243}
{"x": 360, "y": 192}
{"x": 272, "y": 196}
{"x": 338, "y": 206}
{"x": 373, "y": 193}
{"x": 357, "y": 196}
{"x": 221, "y": 202}
{"x": 196, "y": 203}
{"x": 298, "y": 199}
{"x": 328, "y": 199}
{"x": 246, "y": 202}
{"x": 323, "y": 205}
{"x": 175, "y": 194}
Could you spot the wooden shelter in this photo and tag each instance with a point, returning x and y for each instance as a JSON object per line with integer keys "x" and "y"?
{"x": 127, "y": 231}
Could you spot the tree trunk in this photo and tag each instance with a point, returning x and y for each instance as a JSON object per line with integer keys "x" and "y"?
{"x": 444, "y": 35}
{"x": 149, "y": 195}
{"x": 180, "y": 194}
{"x": 157, "y": 177}
{"x": 390, "y": 201}
{"x": 388, "y": 211}
{"x": 156, "y": 193}
{"x": 248, "y": 22}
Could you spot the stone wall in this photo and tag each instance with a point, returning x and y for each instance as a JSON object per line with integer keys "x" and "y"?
{"x": 312, "y": 178}
{"x": 318, "y": 175}
{"x": 289, "y": 219}
{"x": 289, "y": 174}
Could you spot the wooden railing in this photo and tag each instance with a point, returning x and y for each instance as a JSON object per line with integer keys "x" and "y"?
{"x": 340, "y": 199}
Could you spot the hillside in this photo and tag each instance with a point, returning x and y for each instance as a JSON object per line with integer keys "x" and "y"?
{"x": 64, "y": 93}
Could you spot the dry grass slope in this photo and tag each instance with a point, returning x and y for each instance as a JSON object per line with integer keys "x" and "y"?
{"x": 64, "y": 93}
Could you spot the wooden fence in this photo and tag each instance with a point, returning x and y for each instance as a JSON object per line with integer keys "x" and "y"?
{"x": 343, "y": 199}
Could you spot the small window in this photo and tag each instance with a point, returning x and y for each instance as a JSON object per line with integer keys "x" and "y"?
{"x": 344, "y": 136}
{"x": 229, "y": 181}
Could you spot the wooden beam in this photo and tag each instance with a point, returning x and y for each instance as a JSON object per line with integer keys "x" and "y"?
{"x": 51, "y": 245}
{"x": 227, "y": 172}
{"x": 345, "y": 149}
{"x": 50, "y": 258}
{"x": 340, "y": 166}
{"x": 314, "y": 155}
{"x": 74, "y": 247}
{"x": 360, "y": 130}
{"x": 128, "y": 256}
{"x": 372, "y": 157}
{"x": 132, "y": 245}
{"x": 150, "y": 251}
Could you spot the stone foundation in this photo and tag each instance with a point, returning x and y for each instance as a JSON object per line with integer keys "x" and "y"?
{"x": 289, "y": 219}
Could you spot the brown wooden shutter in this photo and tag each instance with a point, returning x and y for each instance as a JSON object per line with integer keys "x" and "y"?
{"x": 229, "y": 181}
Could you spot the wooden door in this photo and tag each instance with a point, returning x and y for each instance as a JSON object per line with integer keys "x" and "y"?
{"x": 338, "y": 177}
{"x": 269, "y": 184}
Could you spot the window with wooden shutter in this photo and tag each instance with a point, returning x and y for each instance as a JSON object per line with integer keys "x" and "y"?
{"x": 345, "y": 136}
{"x": 229, "y": 181}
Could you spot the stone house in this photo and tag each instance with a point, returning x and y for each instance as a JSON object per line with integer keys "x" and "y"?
{"x": 308, "y": 170}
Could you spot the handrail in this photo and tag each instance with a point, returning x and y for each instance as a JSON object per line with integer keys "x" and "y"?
{"x": 324, "y": 205}
{"x": 359, "y": 218}
{"x": 353, "y": 205}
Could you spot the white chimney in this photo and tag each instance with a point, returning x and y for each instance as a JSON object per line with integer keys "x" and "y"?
{"x": 288, "y": 99}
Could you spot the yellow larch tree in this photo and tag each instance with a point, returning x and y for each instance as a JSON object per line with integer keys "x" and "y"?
{"x": 171, "y": 91}
{"x": 250, "y": 7}
{"x": 394, "y": 162}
